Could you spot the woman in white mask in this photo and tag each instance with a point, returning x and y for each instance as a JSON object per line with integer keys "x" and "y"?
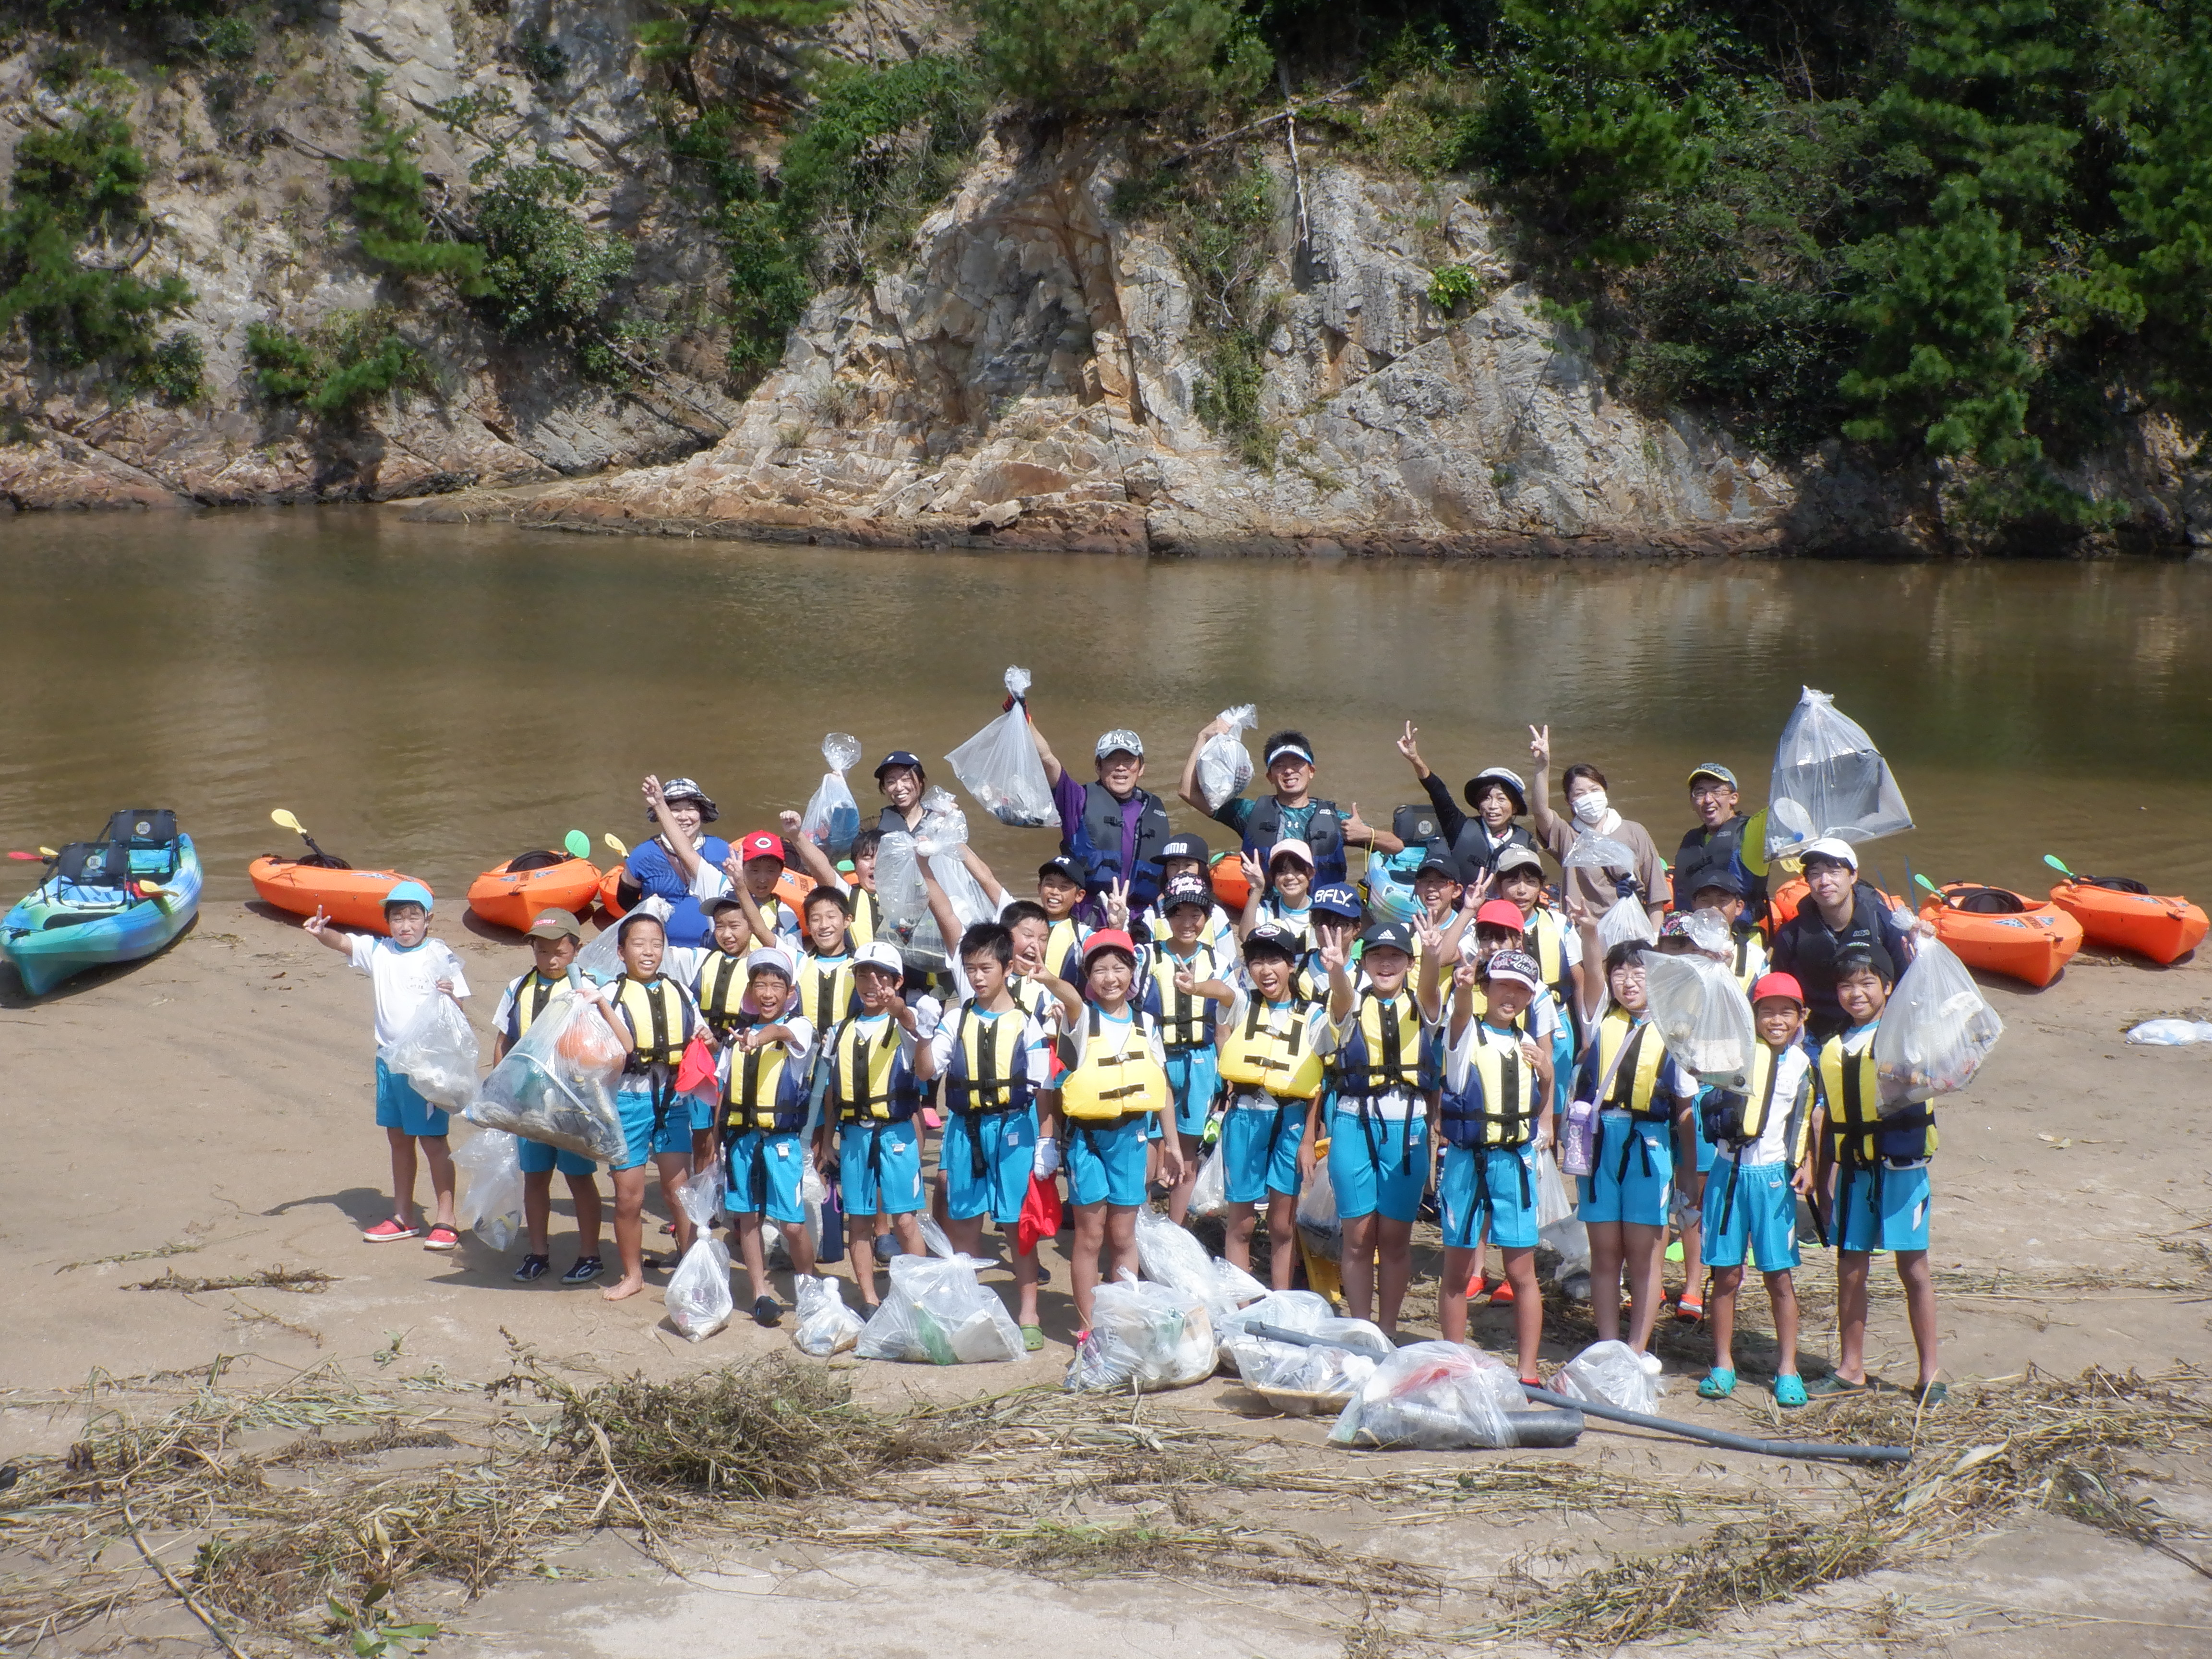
{"x": 1593, "y": 815}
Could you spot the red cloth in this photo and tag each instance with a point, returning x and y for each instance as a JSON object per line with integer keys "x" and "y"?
{"x": 698, "y": 1070}
{"x": 1041, "y": 1214}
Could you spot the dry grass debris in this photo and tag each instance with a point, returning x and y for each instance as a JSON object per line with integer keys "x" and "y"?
{"x": 308, "y": 1281}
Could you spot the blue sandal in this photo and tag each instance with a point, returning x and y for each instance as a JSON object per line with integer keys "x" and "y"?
{"x": 1788, "y": 1391}
{"x": 1719, "y": 1383}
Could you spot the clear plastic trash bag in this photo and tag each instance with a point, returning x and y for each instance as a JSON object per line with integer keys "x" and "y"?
{"x": 1592, "y": 852}
{"x": 938, "y": 1314}
{"x": 1287, "y": 1311}
{"x": 1709, "y": 932}
{"x": 557, "y": 1086}
{"x": 1570, "y": 1239}
{"x": 1626, "y": 921}
{"x": 832, "y": 817}
{"x": 1702, "y": 1015}
{"x": 1612, "y": 1374}
{"x": 1169, "y": 1255}
{"x": 698, "y": 1298}
{"x": 1829, "y": 779}
{"x": 1317, "y": 1205}
{"x": 812, "y": 1191}
{"x": 1000, "y": 766}
{"x": 826, "y": 1325}
{"x": 1209, "y": 1194}
{"x": 1225, "y": 764}
{"x": 1144, "y": 1336}
{"x": 1290, "y": 1368}
{"x": 1935, "y": 1032}
{"x": 437, "y": 1052}
{"x": 2170, "y": 1033}
{"x": 1553, "y": 1204}
{"x": 1438, "y": 1395}
{"x": 601, "y": 960}
{"x": 1230, "y": 1288}
{"x": 933, "y": 1238}
{"x": 490, "y": 1205}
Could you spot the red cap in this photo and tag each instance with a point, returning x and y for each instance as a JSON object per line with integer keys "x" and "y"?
{"x": 1778, "y": 985}
{"x": 1502, "y": 912}
{"x": 1108, "y": 939}
{"x": 762, "y": 844}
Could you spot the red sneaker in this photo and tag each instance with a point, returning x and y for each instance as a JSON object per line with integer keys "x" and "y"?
{"x": 390, "y": 1230}
{"x": 1503, "y": 1295}
{"x": 1475, "y": 1286}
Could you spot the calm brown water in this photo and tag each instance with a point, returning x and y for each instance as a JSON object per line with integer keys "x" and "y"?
{"x": 438, "y": 699}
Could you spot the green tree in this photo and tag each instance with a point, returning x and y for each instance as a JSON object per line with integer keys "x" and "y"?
{"x": 1122, "y": 57}
{"x": 389, "y": 202}
{"x": 545, "y": 272}
{"x": 674, "y": 42}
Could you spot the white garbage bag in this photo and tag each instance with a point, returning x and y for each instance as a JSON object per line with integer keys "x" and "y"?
{"x": 1230, "y": 1287}
{"x": 1553, "y": 1204}
{"x": 1169, "y": 1255}
{"x": 490, "y": 1205}
{"x": 1829, "y": 779}
{"x": 698, "y": 1298}
{"x": 1286, "y": 1311}
{"x": 1438, "y": 1395}
{"x": 437, "y": 1052}
{"x": 1149, "y": 1336}
{"x": 1225, "y": 764}
{"x": 1291, "y": 1369}
{"x": 1209, "y": 1194}
{"x": 2170, "y": 1033}
{"x": 1935, "y": 1032}
{"x": 999, "y": 765}
{"x": 557, "y": 1086}
{"x": 1600, "y": 853}
{"x": 826, "y": 1325}
{"x": 832, "y": 816}
{"x": 1702, "y": 1015}
{"x": 1612, "y": 1374}
{"x": 938, "y": 1314}
{"x": 1626, "y": 920}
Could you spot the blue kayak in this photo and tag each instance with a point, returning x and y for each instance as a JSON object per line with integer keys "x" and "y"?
{"x": 114, "y": 900}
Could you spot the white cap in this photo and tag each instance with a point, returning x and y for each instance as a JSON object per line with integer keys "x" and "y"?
{"x": 1296, "y": 847}
{"x": 879, "y": 953}
{"x": 1829, "y": 846}
{"x": 774, "y": 958}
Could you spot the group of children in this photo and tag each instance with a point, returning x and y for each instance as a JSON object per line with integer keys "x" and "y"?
{"x": 1118, "y": 1027}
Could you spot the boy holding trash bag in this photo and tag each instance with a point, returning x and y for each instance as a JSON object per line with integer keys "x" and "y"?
{"x": 553, "y": 939}
{"x": 765, "y": 1105}
{"x": 1879, "y": 1168}
{"x": 404, "y": 971}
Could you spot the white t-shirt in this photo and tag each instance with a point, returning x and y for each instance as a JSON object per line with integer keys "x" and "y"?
{"x": 404, "y": 980}
{"x": 1459, "y": 1059}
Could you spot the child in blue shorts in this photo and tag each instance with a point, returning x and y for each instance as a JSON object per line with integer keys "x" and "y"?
{"x": 765, "y": 1104}
{"x": 869, "y": 1098}
{"x": 1495, "y": 1120}
{"x": 654, "y": 1018}
{"x": 1270, "y": 1067}
{"x": 1879, "y": 1164}
{"x": 553, "y": 939}
{"x": 405, "y": 970}
{"x": 1112, "y": 1080}
{"x": 1191, "y": 977}
{"x": 991, "y": 1053}
{"x": 1378, "y": 1140}
{"x": 1759, "y": 1136}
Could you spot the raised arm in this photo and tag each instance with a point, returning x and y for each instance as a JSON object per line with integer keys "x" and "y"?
{"x": 1590, "y": 989}
{"x": 1052, "y": 766}
{"x": 679, "y": 844}
{"x": 1428, "y": 988}
{"x": 989, "y": 883}
{"x": 817, "y": 863}
{"x": 1539, "y": 784}
{"x": 1449, "y": 819}
{"x": 1188, "y": 787}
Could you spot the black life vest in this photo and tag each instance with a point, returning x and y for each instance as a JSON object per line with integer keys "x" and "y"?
{"x": 1473, "y": 852}
{"x": 1263, "y": 828}
{"x": 1096, "y": 844}
{"x": 1704, "y": 849}
{"x": 1809, "y": 949}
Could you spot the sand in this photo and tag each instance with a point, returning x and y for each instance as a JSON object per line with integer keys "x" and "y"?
{"x": 216, "y": 1104}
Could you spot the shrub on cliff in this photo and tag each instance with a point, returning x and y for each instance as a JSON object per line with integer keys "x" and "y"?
{"x": 1121, "y": 57}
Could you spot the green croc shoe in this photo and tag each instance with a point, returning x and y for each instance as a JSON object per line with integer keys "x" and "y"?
{"x": 1788, "y": 1391}
{"x": 1719, "y": 1383}
{"x": 1929, "y": 1396}
{"x": 1032, "y": 1337}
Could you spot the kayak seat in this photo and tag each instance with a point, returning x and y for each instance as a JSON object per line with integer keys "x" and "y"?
{"x": 538, "y": 861}
{"x": 2115, "y": 884}
{"x": 94, "y": 864}
{"x": 1985, "y": 900}
{"x": 317, "y": 861}
{"x": 143, "y": 827}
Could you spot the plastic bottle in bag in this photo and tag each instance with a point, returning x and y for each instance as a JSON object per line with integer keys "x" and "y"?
{"x": 437, "y": 1052}
{"x": 1438, "y": 1395}
{"x": 832, "y": 817}
{"x": 490, "y": 1205}
{"x": 1225, "y": 764}
{"x": 557, "y": 1084}
{"x": 1149, "y": 1336}
{"x": 1702, "y": 1015}
{"x": 938, "y": 1314}
{"x": 1829, "y": 779}
{"x": 1000, "y": 766}
{"x": 1935, "y": 1032}
{"x": 1612, "y": 1374}
{"x": 826, "y": 1325}
{"x": 698, "y": 1298}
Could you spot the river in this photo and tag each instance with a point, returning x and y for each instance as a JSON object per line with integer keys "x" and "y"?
{"x": 438, "y": 698}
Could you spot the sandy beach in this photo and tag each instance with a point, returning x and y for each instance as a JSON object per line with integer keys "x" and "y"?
{"x": 209, "y": 1112}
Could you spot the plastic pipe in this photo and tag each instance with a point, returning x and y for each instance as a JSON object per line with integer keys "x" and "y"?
{"x": 1721, "y": 1437}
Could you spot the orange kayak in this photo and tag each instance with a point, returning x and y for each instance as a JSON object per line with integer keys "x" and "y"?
{"x": 1230, "y": 885}
{"x": 1782, "y": 904}
{"x": 2004, "y": 932}
{"x": 608, "y": 884}
{"x": 511, "y": 897}
{"x": 351, "y": 899}
{"x": 2165, "y": 929}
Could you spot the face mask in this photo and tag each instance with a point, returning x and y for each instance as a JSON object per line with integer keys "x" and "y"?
{"x": 1590, "y": 806}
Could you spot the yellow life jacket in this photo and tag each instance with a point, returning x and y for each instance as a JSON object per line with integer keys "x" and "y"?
{"x": 1186, "y": 1018}
{"x": 825, "y": 989}
{"x": 1749, "y": 962}
{"x": 1545, "y": 936}
{"x": 659, "y": 1017}
{"x": 1383, "y": 1051}
{"x": 870, "y": 1080}
{"x": 988, "y": 1070}
{"x": 867, "y": 917}
{"x": 1864, "y": 1138}
{"x": 1065, "y": 937}
{"x": 1631, "y": 1081}
{"x": 1271, "y": 1052}
{"x": 766, "y": 1091}
{"x": 721, "y": 992}
{"x": 1733, "y": 1120}
{"x": 1110, "y": 1085}
{"x": 1033, "y": 999}
{"x": 531, "y": 993}
{"x": 1503, "y": 1096}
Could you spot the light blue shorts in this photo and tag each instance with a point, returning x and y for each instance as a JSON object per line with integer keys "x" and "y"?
{"x": 1105, "y": 1166}
{"x": 398, "y": 1107}
{"x": 1195, "y": 1079}
{"x": 1387, "y": 1176}
{"x": 636, "y": 1106}
{"x": 1260, "y": 1148}
{"x": 704, "y": 1110}
{"x": 538, "y": 1158}
{"x": 1902, "y": 1222}
{"x": 1763, "y": 1215}
{"x": 1505, "y": 1195}
{"x": 879, "y": 1168}
{"x": 1008, "y": 1142}
{"x": 765, "y": 1170}
{"x": 1639, "y": 1197}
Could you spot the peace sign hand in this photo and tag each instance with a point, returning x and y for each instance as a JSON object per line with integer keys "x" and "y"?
{"x": 1411, "y": 750}
{"x": 1431, "y": 936}
{"x": 1540, "y": 745}
{"x": 1331, "y": 953}
{"x": 1256, "y": 873}
{"x": 1117, "y": 905}
{"x": 1185, "y": 981}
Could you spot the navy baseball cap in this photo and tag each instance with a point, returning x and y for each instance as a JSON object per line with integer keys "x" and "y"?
{"x": 1723, "y": 876}
{"x": 1185, "y": 846}
{"x": 1393, "y": 935}
{"x": 897, "y": 758}
{"x": 1434, "y": 855}
{"x": 1268, "y": 939}
{"x": 1338, "y": 899}
{"x": 1063, "y": 866}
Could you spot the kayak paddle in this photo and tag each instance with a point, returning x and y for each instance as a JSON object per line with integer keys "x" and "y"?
{"x": 1753, "y": 844}
{"x": 615, "y": 846}
{"x": 2053, "y": 859}
{"x": 578, "y": 843}
{"x": 284, "y": 820}
{"x": 44, "y": 854}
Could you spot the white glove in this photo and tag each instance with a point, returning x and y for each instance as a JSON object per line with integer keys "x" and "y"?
{"x": 1047, "y": 1162}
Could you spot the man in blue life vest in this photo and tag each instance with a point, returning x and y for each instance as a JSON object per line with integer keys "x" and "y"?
{"x": 1117, "y": 832}
{"x": 1717, "y": 841}
{"x": 1290, "y": 813}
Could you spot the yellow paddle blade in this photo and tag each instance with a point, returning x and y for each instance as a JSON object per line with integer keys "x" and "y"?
{"x": 284, "y": 820}
{"x": 615, "y": 846}
{"x": 48, "y": 852}
{"x": 1754, "y": 844}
